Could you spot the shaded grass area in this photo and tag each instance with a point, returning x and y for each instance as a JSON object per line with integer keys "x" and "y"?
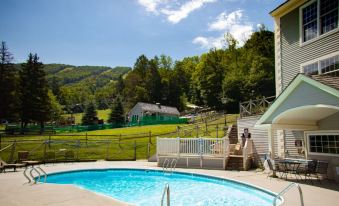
{"x": 112, "y": 144}
{"x": 102, "y": 114}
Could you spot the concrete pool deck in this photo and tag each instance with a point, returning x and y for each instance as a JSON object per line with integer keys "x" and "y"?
{"x": 14, "y": 192}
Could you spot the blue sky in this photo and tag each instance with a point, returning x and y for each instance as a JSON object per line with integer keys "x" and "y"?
{"x": 116, "y": 32}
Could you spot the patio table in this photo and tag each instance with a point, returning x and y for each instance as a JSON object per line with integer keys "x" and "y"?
{"x": 291, "y": 166}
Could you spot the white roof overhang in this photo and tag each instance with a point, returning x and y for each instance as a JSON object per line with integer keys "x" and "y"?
{"x": 301, "y": 116}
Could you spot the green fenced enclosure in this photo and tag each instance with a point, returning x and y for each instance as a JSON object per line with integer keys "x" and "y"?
{"x": 159, "y": 119}
{"x": 84, "y": 147}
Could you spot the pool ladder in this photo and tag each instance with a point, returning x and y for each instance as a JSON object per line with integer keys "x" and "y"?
{"x": 168, "y": 165}
{"x": 36, "y": 169}
{"x": 284, "y": 191}
{"x": 167, "y": 193}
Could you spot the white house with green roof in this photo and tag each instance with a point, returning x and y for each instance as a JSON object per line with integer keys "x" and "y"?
{"x": 303, "y": 120}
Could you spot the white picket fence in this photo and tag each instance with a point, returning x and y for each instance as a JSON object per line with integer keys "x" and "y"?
{"x": 200, "y": 147}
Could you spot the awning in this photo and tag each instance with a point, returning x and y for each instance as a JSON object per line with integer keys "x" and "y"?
{"x": 301, "y": 105}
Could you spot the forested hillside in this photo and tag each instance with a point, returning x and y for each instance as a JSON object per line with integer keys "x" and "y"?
{"x": 77, "y": 85}
{"x": 219, "y": 78}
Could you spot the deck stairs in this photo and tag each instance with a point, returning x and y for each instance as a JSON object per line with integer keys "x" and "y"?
{"x": 235, "y": 160}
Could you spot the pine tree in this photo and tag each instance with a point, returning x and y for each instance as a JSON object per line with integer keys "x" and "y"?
{"x": 117, "y": 113}
{"x": 35, "y": 101}
{"x": 119, "y": 86}
{"x": 8, "y": 86}
{"x": 90, "y": 115}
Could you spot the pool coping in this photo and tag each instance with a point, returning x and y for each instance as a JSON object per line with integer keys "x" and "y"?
{"x": 273, "y": 194}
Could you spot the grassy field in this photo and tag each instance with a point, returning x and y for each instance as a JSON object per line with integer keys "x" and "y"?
{"x": 112, "y": 144}
{"x": 102, "y": 114}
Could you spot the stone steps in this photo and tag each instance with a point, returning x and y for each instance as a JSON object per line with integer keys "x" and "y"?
{"x": 235, "y": 162}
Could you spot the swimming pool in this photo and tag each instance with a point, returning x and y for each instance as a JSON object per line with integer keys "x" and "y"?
{"x": 145, "y": 187}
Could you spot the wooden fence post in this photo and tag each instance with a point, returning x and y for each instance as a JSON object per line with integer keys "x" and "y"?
{"x": 119, "y": 140}
{"x": 12, "y": 152}
{"x": 107, "y": 150}
{"x": 217, "y": 130}
{"x": 49, "y": 141}
{"x": 197, "y": 130}
{"x": 150, "y": 137}
{"x": 86, "y": 139}
{"x": 45, "y": 150}
{"x": 148, "y": 150}
{"x": 135, "y": 150}
{"x": 78, "y": 148}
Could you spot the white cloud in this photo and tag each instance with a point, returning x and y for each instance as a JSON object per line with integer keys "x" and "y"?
{"x": 175, "y": 16}
{"x": 224, "y": 21}
{"x": 209, "y": 42}
{"x": 233, "y": 23}
{"x": 174, "y": 11}
{"x": 151, "y": 5}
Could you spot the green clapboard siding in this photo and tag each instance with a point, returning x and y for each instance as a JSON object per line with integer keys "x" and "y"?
{"x": 293, "y": 55}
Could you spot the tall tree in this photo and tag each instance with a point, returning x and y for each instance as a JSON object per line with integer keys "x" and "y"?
{"x": 153, "y": 82}
{"x": 141, "y": 66}
{"x": 35, "y": 102}
{"x": 56, "y": 108}
{"x": 90, "y": 115}
{"x": 119, "y": 86}
{"x": 211, "y": 75}
{"x": 8, "y": 86}
{"x": 117, "y": 113}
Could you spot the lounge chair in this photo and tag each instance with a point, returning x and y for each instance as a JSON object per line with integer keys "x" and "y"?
{"x": 50, "y": 157}
{"x": 5, "y": 166}
{"x": 23, "y": 156}
{"x": 69, "y": 156}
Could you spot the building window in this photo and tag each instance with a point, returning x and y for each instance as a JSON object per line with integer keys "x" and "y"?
{"x": 324, "y": 143}
{"x": 318, "y": 17}
{"x": 328, "y": 15}
{"x": 310, "y": 21}
{"x": 328, "y": 65}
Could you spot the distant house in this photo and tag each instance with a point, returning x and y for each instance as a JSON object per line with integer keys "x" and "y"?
{"x": 141, "y": 110}
{"x": 303, "y": 121}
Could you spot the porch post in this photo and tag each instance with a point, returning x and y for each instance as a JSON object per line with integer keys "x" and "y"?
{"x": 281, "y": 143}
{"x": 271, "y": 147}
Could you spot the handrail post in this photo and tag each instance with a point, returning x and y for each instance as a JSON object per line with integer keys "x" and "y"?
{"x": 167, "y": 192}
{"x": 290, "y": 186}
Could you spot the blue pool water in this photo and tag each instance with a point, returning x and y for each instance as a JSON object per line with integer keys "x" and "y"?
{"x": 142, "y": 187}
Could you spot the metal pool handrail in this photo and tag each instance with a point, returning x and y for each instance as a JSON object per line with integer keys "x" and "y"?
{"x": 173, "y": 164}
{"x": 36, "y": 169}
{"x": 166, "y": 191}
{"x": 284, "y": 191}
{"x": 164, "y": 165}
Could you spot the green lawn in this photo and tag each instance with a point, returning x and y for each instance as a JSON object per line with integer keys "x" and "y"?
{"x": 102, "y": 114}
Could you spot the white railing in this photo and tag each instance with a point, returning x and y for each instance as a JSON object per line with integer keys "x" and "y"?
{"x": 247, "y": 152}
{"x": 192, "y": 147}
